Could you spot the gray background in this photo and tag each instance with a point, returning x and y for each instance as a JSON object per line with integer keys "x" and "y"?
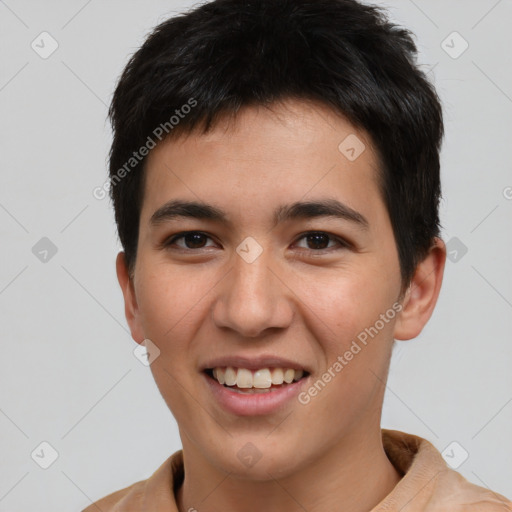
{"x": 68, "y": 373}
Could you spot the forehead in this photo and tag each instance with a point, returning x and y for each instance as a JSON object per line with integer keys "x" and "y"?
{"x": 294, "y": 150}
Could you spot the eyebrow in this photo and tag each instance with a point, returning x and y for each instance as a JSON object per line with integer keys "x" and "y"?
{"x": 299, "y": 210}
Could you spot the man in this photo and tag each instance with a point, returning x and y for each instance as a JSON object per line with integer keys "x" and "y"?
{"x": 275, "y": 179}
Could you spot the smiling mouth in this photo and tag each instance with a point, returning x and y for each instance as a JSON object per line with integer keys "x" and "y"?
{"x": 265, "y": 380}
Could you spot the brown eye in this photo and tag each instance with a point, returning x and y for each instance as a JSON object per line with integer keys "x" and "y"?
{"x": 319, "y": 241}
{"x": 192, "y": 240}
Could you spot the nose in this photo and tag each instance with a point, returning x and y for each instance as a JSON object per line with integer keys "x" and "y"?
{"x": 253, "y": 298}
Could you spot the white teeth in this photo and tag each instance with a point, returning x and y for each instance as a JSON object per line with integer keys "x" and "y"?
{"x": 229, "y": 376}
{"x": 298, "y": 374}
{"x": 264, "y": 378}
{"x": 219, "y": 375}
{"x": 289, "y": 373}
{"x": 277, "y": 376}
{"x": 244, "y": 378}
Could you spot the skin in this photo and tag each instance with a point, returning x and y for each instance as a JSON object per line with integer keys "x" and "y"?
{"x": 297, "y": 300}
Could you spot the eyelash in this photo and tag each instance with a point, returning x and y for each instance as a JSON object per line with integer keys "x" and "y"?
{"x": 342, "y": 244}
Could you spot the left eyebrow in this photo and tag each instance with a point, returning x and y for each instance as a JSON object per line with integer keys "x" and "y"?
{"x": 298, "y": 210}
{"x": 320, "y": 208}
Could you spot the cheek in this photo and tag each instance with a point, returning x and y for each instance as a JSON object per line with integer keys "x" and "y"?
{"x": 349, "y": 302}
{"x": 168, "y": 304}
{"x": 356, "y": 350}
{"x": 167, "y": 296}
{"x": 169, "y": 318}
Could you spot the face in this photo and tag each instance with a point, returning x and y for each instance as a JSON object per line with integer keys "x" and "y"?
{"x": 248, "y": 289}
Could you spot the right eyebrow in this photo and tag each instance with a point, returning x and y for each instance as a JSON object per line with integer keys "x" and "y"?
{"x": 191, "y": 209}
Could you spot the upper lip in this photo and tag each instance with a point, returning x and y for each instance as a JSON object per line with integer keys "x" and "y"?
{"x": 253, "y": 363}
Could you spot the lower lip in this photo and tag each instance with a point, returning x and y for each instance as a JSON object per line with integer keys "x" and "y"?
{"x": 245, "y": 404}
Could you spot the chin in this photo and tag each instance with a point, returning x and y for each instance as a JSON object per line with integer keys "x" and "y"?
{"x": 256, "y": 460}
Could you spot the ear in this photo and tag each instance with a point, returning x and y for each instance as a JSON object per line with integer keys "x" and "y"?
{"x": 421, "y": 296}
{"x": 131, "y": 309}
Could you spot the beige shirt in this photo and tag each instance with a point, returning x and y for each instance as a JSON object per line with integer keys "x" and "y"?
{"x": 428, "y": 484}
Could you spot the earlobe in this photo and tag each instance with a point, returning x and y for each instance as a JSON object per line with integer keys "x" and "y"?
{"x": 422, "y": 294}
{"x": 131, "y": 309}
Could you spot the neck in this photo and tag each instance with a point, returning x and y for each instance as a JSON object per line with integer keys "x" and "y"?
{"x": 354, "y": 475}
